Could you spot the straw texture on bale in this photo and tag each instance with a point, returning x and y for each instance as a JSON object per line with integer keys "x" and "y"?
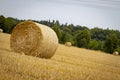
{"x": 1, "y": 30}
{"x": 34, "y": 39}
{"x": 68, "y": 44}
{"x": 115, "y": 53}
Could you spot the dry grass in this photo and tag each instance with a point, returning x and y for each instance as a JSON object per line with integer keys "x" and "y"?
{"x": 68, "y": 63}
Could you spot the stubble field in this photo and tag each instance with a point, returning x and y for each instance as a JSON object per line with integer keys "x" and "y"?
{"x": 68, "y": 63}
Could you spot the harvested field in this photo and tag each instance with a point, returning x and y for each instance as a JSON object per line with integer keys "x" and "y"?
{"x": 68, "y": 63}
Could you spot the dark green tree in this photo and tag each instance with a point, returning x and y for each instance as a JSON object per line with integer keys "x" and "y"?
{"x": 83, "y": 43}
{"x": 2, "y": 22}
{"x": 115, "y": 41}
{"x": 119, "y": 42}
{"x": 67, "y": 30}
{"x": 98, "y": 34}
{"x": 111, "y": 43}
{"x": 58, "y": 32}
{"x": 101, "y": 45}
{"x": 82, "y": 37}
{"x": 9, "y": 24}
{"x": 93, "y": 44}
{"x": 68, "y": 38}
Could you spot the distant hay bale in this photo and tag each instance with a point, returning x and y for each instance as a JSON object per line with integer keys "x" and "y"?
{"x": 115, "y": 53}
{"x": 68, "y": 44}
{"x": 34, "y": 39}
{"x": 1, "y": 30}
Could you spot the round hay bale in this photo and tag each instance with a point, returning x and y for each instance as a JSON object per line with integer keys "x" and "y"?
{"x": 115, "y": 53}
{"x": 68, "y": 44}
{"x": 34, "y": 39}
{"x": 1, "y": 30}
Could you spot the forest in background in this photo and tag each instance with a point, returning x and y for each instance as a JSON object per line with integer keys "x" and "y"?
{"x": 81, "y": 36}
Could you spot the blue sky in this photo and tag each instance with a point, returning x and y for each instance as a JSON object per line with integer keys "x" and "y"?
{"x": 90, "y": 13}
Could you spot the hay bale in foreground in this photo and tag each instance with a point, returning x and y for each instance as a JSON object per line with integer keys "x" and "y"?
{"x": 115, "y": 53}
{"x": 68, "y": 44}
{"x": 1, "y": 30}
{"x": 34, "y": 39}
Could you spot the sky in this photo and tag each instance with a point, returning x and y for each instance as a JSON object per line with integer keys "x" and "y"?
{"x": 90, "y": 13}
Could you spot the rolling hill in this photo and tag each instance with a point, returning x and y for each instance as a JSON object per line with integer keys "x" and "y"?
{"x": 68, "y": 63}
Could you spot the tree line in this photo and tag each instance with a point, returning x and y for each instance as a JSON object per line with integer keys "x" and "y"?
{"x": 81, "y": 36}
